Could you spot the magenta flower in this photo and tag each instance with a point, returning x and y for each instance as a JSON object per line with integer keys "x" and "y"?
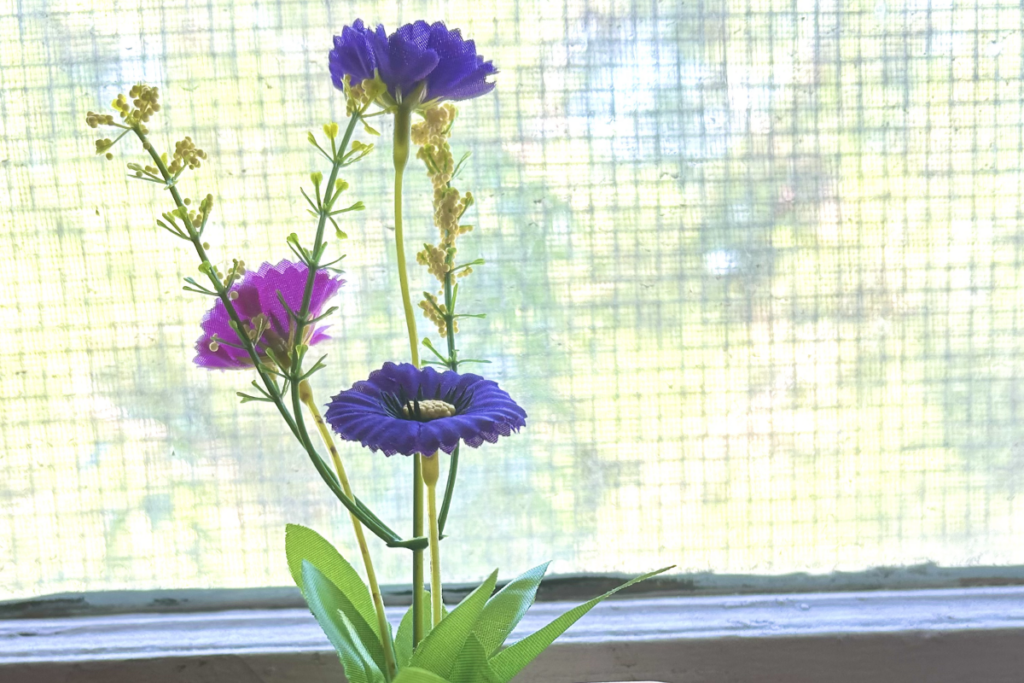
{"x": 415, "y": 53}
{"x": 405, "y": 409}
{"x": 263, "y": 317}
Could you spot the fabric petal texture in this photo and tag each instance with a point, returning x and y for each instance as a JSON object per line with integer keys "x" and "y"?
{"x": 389, "y": 411}
{"x": 416, "y": 53}
{"x": 257, "y": 295}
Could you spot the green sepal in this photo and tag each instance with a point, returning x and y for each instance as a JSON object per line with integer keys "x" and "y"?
{"x": 441, "y": 647}
{"x": 503, "y": 612}
{"x": 327, "y": 603}
{"x": 304, "y": 545}
{"x": 513, "y": 659}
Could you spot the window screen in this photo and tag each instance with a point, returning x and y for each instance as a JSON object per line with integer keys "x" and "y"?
{"x": 753, "y": 267}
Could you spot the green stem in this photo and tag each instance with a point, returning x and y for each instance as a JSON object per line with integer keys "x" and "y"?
{"x": 453, "y": 354}
{"x": 403, "y": 132}
{"x": 449, "y": 489}
{"x": 364, "y": 550}
{"x": 431, "y": 467}
{"x": 307, "y": 294}
{"x": 453, "y": 364}
{"x": 417, "y": 555}
{"x": 295, "y": 423}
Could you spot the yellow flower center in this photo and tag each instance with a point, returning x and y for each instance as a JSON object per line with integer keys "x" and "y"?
{"x": 427, "y": 410}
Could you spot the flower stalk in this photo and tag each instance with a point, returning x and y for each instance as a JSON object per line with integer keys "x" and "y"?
{"x": 268, "y": 387}
{"x": 453, "y": 365}
{"x": 418, "y": 627}
{"x": 431, "y": 467}
{"x": 371, "y": 576}
{"x": 402, "y": 141}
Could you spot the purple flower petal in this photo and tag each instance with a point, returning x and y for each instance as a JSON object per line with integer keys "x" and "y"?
{"x": 258, "y": 294}
{"x": 352, "y": 55}
{"x": 371, "y": 411}
{"x": 413, "y": 54}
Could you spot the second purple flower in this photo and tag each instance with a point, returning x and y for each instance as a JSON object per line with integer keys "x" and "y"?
{"x": 265, "y": 320}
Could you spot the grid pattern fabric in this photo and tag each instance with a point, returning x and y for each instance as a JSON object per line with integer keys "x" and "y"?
{"x": 754, "y": 268}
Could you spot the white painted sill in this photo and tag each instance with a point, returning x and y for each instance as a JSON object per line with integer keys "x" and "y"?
{"x": 926, "y": 636}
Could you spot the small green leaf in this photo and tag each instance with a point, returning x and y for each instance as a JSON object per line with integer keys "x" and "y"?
{"x": 403, "y": 640}
{"x": 503, "y": 611}
{"x": 370, "y": 129}
{"x": 442, "y": 645}
{"x": 471, "y": 665}
{"x": 513, "y": 659}
{"x": 302, "y": 543}
{"x": 325, "y": 601}
{"x": 305, "y": 545}
{"x": 414, "y": 675}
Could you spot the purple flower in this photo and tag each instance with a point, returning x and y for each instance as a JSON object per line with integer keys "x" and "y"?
{"x": 414, "y": 53}
{"x": 262, "y": 314}
{"x": 405, "y": 409}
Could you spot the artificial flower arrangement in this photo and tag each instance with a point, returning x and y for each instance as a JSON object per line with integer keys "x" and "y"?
{"x": 265, "y": 321}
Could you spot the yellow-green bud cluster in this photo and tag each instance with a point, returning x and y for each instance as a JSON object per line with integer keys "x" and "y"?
{"x": 96, "y": 120}
{"x": 235, "y": 273}
{"x": 199, "y": 216}
{"x": 103, "y": 145}
{"x": 360, "y": 96}
{"x": 434, "y": 311}
{"x": 145, "y": 101}
{"x": 435, "y": 128}
{"x": 185, "y": 154}
{"x": 432, "y": 135}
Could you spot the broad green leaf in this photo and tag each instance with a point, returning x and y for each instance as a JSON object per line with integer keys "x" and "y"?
{"x": 503, "y": 611}
{"x": 513, "y": 659}
{"x": 443, "y": 644}
{"x": 325, "y": 599}
{"x": 414, "y": 675}
{"x": 403, "y": 640}
{"x": 305, "y": 545}
{"x": 302, "y": 543}
{"x": 471, "y": 665}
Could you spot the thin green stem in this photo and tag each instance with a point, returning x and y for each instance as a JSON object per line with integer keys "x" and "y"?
{"x": 453, "y": 365}
{"x": 364, "y": 549}
{"x": 418, "y": 630}
{"x": 403, "y": 133}
{"x": 329, "y": 197}
{"x": 403, "y": 277}
{"x": 431, "y": 466}
{"x": 295, "y": 422}
{"x": 449, "y": 489}
{"x": 449, "y": 304}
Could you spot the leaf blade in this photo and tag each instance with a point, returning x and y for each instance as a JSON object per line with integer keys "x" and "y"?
{"x": 439, "y": 650}
{"x": 324, "y": 599}
{"x": 506, "y": 608}
{"x": 415, "y": 675}
{"x": 302, "y": 543}
{"x": 305, "y": 545}
{"x": 471, "y": 665}
{"x": 513, "y": 659}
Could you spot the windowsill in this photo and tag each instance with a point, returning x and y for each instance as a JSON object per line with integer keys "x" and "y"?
{"x": 936, "y": 636}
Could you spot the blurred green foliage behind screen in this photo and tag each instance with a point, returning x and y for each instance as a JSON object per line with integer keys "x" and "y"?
{"x": 753, "y": 268}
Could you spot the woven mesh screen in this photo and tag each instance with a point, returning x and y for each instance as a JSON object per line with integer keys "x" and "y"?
{"x": 754, "y": 268}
